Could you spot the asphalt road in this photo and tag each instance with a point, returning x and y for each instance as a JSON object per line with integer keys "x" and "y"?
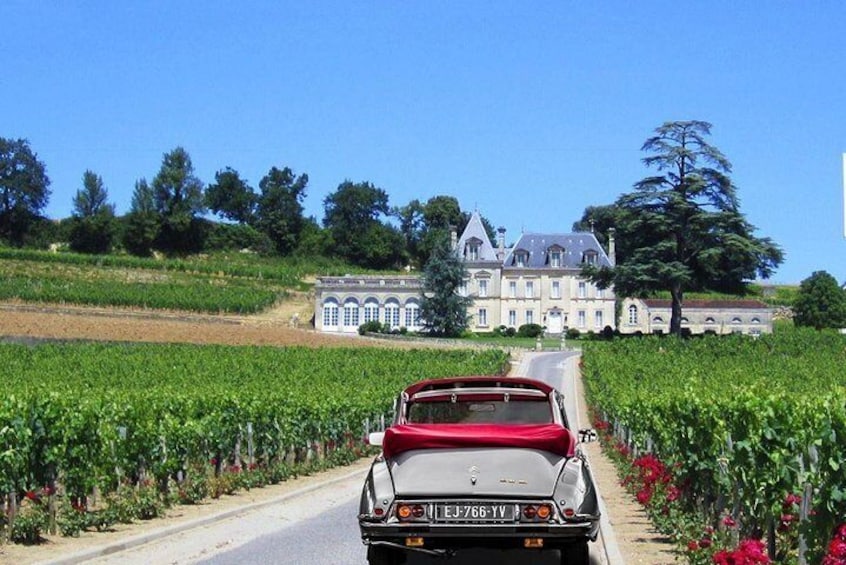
{"x": 321, "y": 527}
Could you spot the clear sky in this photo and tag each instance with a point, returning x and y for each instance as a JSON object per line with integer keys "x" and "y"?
{"x": 528, "y": 111}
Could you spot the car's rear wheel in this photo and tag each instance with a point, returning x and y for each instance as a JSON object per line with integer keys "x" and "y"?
{"x": 381, "y": 555}
{"x": 575, "y": 554}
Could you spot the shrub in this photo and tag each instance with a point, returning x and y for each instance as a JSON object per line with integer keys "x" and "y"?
{"x": 29, "y": 523}
{"x": 71, "y": 519}
{"x": 373, "y": 326}
{"x": 573, "y": 333}
{"x": 530, "y": 330}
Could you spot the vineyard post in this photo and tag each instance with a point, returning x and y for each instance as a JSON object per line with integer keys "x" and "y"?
{"x": 51, "y": 507}
{"x": 236, "y": 452}
{"x": 3, "y": 514}
{"x": 771, "y": 537}
{"x": 164, "y": 479}
{"x": 13, "y": 510}
{"x": 250, "y": 447}
{"x": 118, "y": 471}
{"x": 804, "y": 507}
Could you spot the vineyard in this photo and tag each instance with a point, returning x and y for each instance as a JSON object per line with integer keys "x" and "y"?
{"x": 78, "y": 419}
{"x": 730, "y": 439}
{"x": 217, "y": 284}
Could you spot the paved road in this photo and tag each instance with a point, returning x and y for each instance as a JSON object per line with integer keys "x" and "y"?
{"x": 320, "y": 527}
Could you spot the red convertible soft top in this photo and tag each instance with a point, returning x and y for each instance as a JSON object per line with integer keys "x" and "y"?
{"x": 545, "y": 437}
{"x": 462, "y": 383}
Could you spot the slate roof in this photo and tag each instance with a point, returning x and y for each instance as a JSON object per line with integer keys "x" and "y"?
{"x": 476, "y": 229}
{"x": 574, "y": 246}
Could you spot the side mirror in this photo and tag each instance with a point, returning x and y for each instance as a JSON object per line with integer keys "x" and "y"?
{"x": 587, "y": 435}
{"x": 375, "y": 438}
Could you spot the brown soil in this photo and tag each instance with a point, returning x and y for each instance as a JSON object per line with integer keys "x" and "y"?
{"x": 113, "y": 324}
{"x": 637, "y": 539}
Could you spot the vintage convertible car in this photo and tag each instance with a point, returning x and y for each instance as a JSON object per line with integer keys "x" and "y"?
{"x": 486, "y": 462}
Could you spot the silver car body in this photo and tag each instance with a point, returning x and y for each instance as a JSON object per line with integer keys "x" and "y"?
{"x": 478, "y": 495}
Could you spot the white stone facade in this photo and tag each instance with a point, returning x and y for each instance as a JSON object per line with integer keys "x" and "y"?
{"x": 649, "y": 316}
{"x": 537, "y": 281}
{"x": 342, "y": 304}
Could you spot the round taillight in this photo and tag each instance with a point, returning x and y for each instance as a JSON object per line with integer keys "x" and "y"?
{"x": 544, "y": 511}
{"x": 569, "y": 512}
{"x": 404, "y": 512}
{"x": 378, "y": 511}
{"x": 529, "y": 512}
{"x": 418, "y": 511}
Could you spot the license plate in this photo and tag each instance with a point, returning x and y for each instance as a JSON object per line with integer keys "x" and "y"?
{"x": 473, "y": 512}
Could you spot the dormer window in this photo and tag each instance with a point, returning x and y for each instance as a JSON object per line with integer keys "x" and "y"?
{"x": 471, "y": 249}
{"x": 521, "y": 258}
{"x": 555, "y": 257}
{"x": 590, "y": 257}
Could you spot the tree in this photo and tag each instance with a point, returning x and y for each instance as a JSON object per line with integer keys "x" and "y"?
{"x": 178, "y": 198}
{"x": 683, "y": 228}
{"x": 23, "y": 189}
{"x": 315, "y": 241}
{"x": 142, "y": 222}
{"x": 441, "y": 215}
{"x": 424, "y": 225}
{"x": 442, "y": 309}
{"x": 93, "y": 219}
{"x": 353, "y": 217}
{"x": 411, "y": 227}
{"x": 280, "y": 209}
{"x": 601, "y": 220}
{"x": 231, "y": 197}
{"x": 821, "y": 302}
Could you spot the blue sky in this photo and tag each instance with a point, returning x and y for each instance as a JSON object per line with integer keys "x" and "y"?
{"x": 527, "y": 111}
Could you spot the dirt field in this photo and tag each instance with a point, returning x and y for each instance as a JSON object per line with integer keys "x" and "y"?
{"x": 73, "y": 322}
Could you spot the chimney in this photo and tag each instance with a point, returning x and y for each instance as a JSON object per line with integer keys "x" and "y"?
{"x": 453, "y": 238}
{"x": 500, "y": 243}
{"x": 612, "y": 247}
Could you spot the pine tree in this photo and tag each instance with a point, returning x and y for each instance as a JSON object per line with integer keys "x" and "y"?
{"x": 442, "y": 309}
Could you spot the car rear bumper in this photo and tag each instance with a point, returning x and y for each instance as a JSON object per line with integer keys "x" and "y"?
{"x": 480, "y": 535}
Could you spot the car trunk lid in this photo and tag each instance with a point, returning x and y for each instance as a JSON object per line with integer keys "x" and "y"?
{"x": 476, "y": 472}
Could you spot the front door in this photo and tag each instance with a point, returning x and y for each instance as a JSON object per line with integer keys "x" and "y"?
{"x": 553, "y": 323}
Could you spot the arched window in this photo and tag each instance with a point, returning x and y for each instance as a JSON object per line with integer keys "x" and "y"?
{"x": 392, "y": 313}
{"x": 710, "y": 320}
{"x": 633, "y": 315}
{"x": 412, "y": 314}
{"x": 371, "y": 310}
{"x": 351, "y": 313}
{"x": 330, "y": 313}
{"x": 735, "y": 320}
{"x": 756, "y": 320}
{"x": 684, "y": 320}
{"x": 657, "y": 320}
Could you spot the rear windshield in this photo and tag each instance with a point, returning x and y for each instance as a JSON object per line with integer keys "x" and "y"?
{"x": 480, "y": 412}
